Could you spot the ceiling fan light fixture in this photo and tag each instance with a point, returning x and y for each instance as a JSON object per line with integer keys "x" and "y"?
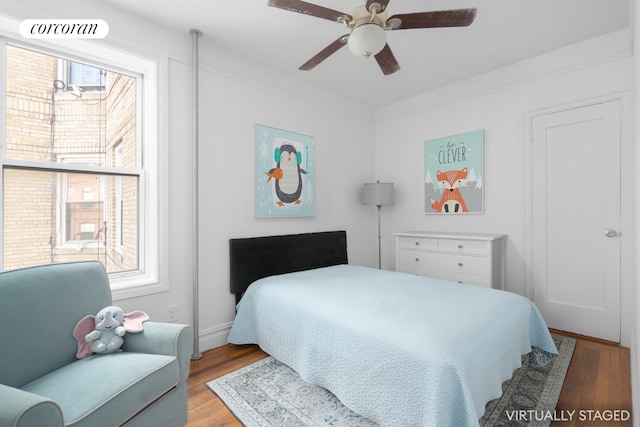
{"x": 367, "y": 40}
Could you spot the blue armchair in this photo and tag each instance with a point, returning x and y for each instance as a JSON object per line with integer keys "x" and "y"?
{"x": 42, "y": 383}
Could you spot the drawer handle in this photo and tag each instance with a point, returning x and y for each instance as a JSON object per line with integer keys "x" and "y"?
{"x": 417, "y": 259}
{"x": 417, "y": 243}
{"x": 460, "y": 281}
{"x": 460, "y": 246}
{"x": 459, "y": 264}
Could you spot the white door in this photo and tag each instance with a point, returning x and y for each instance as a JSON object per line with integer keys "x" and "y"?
{"x": 576, "y": 219}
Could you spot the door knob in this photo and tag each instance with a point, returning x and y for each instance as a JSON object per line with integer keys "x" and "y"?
{"x": 610, "y": 233}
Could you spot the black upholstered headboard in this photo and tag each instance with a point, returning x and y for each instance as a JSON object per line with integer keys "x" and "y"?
{"x": 253, "y": 258}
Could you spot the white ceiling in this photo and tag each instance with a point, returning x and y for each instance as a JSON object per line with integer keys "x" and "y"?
{"x": 504, "y": 32}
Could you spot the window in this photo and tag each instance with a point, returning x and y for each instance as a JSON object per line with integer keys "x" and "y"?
{"x": 77, "y": 77}
{"x": 75, "y": 186}
{"x": 85, "y": 76}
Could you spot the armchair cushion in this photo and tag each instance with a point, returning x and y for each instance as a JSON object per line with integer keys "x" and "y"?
{"x": 95, "y": 390}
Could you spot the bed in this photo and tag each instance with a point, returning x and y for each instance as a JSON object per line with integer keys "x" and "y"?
{"x": 397, "y": 348}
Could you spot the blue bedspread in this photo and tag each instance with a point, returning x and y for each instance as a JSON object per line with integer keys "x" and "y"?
{"x": 400, "y": 349}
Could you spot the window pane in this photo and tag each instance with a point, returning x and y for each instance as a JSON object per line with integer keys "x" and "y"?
{"x": 48, "y": 119}
{"x": 85, "y": 75}
{"x": 84, "y": 207}
{"x": 52, "y": 217}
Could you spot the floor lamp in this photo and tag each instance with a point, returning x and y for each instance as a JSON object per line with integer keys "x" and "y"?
{"x": 378, "y": 194}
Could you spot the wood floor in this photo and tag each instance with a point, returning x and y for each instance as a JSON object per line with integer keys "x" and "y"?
{"x": 205, "y": 409}
{"x": 598, "y": 379}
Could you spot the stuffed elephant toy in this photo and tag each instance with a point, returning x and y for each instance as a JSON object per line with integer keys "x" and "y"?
{"x": 103, "y": 332}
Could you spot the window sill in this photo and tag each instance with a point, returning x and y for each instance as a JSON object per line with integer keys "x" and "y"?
{"x": 134, "y": 284}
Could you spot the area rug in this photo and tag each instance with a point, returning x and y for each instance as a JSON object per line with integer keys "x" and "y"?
{"x": 269, "y": 393}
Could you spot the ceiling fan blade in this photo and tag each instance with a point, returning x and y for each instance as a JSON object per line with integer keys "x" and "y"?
{"x": 383, "y": 5}
{"x": 444, "y": 18}
{"x": 324, "y": 53}
{"x": 311, "y": 9}
{"x": 387, "y": 61}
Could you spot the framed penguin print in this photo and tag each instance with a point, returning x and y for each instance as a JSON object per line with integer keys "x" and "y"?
{"x": 453, "y": 170}
{"x": 285, "y": 173}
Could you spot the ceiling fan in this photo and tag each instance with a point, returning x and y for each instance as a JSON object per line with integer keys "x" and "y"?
{"x": 367, "y": 25}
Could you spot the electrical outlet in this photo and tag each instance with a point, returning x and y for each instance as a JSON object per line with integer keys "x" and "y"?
{"x": 173, "y": 313}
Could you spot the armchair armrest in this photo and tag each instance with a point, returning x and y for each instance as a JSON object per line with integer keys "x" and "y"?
{"x": 172, "y": 339}
{"x": 23, "y": 409}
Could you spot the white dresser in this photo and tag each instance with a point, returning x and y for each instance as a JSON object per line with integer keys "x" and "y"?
{"x": 474, "y": 258}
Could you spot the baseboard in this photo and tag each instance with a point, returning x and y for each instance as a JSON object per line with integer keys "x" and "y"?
{"x": 584, "y": 337}
{"x": 214, "y": 337}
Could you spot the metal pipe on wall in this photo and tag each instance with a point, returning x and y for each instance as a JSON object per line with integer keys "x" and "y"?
{"x": 195, "y": 34}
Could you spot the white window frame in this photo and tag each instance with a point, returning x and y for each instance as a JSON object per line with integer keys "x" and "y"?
{"x": 118, "y": 200}
{"x": 151, "y": 276}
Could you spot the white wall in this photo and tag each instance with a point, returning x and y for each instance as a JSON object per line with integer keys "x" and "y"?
{"x": 499, "y": 102}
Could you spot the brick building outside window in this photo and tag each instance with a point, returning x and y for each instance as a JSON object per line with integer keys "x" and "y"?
{"x": 71, "y": 162}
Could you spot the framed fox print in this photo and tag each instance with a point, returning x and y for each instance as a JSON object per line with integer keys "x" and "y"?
{"x": 453, "y": 169}
{"x": 285, "y": 173}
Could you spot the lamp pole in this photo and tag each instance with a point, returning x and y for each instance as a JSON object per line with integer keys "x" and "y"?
{"x": 378, "y": 194}
{"x": 379, "y": 240}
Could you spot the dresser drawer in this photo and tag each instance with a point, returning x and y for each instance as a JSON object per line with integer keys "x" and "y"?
{"x": 462, "y": 246}
{"x": 446, "y": 262}
{"x": 462, "y": 278}
{"x": 468, "y": 264}
{"x": 417, "y": 259}
{"x": 423, "y": 243}
{"x": 469, "y": 279}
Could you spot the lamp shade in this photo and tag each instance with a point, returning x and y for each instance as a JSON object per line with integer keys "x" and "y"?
{"x": 367, "y": 40}
{"x": 378, "y": 194}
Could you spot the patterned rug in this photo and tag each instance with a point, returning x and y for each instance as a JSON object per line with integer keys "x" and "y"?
{"x": 269, "y": 393}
